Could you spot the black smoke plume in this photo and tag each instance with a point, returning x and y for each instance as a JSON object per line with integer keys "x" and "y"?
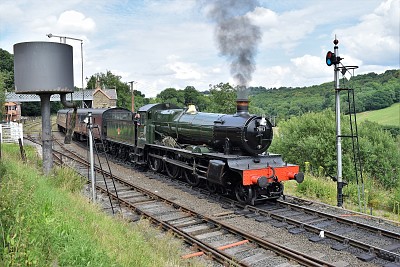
{"x": 237, "y": 38}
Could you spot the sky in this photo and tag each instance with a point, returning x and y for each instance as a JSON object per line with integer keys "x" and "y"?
{"x": 172, "y": 43}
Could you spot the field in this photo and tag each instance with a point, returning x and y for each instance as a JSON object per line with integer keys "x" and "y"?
{"x": 386, "y": 116}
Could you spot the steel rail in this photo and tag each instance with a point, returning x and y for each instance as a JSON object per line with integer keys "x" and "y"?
{"x": 383, "y": 253}
{"x": 343, "y": 220}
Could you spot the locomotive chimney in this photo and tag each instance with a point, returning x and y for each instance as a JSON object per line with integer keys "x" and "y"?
{"x": 242, "y": 101}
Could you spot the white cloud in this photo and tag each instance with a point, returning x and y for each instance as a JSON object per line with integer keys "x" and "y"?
{"x": 375, "y": 38}
{"x": 216, "y": 70}
{"x": 302, "y": 71}
{"x": 184, "y": 71}
{"x": 74, "y": 21}
{"x": 271, "y": 76}
{"x": 286, "y": 29}
{"x": 9, "y": 11}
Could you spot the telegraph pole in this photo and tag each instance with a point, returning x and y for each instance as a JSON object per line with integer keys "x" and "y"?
{"x": 133, "y": 96}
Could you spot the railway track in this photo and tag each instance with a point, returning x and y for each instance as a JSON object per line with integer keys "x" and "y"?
{"x": 222, "y": 242}
{"x": 373, "y": 238}
{"x": 341, "y": 232}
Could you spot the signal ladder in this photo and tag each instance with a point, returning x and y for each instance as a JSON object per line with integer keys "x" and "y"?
{"x": 104, "y": 166}
{"x": 354, "y": 136}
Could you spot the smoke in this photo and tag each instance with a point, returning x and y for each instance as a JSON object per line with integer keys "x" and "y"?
{"x": 237, "y": 38}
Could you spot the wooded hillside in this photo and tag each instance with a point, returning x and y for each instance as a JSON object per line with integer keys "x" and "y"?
{"x": 372, "y": 91}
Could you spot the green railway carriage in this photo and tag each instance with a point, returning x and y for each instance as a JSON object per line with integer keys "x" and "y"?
{"x": 106, "y": 120}
{"x": 119, "y": 128}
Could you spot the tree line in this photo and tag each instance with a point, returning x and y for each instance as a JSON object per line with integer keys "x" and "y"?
{"x": 372, "y": 91}
{"x": 305, "y": 115}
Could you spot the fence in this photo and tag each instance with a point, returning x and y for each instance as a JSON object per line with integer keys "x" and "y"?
{"x": 11, "y": 132}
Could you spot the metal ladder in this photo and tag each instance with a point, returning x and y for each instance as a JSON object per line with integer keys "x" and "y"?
{"x": 355, "y": 141}
{"x": 104, "y": 166}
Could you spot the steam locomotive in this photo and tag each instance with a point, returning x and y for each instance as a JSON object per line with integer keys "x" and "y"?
{"x": 225, "y": 152}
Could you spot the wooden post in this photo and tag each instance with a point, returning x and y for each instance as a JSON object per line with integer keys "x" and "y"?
{"x": 21, "y": 149}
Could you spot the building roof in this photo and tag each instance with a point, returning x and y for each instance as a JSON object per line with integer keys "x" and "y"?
{"x": 7, "y": 104}
{"x": 87, "y": 94}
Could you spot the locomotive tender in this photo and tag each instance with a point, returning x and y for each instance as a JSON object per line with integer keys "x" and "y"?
{"x": 226, "y": 152}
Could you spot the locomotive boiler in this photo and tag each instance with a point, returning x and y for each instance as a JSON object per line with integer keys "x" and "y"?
{"x": 240, "y": 134}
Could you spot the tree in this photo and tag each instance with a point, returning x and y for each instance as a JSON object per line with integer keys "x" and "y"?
{"x": 2, "y": 93}
{"x": 222, "y": 99}
{"x": 110, "y": 81}
{"x": 172, "y": 96}
{"x": 7, "y": 70}
{"x": 31, "y": 109}
{"x": 6, "y": 76}
{"x": 311, "y": 138}
{"x": 140, "y": 99}
{"x": 6, "y": 61}
{"x": 191, "y": 95}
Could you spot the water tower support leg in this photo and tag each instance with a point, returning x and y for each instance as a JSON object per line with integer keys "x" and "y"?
{"x": 47, "y": 142}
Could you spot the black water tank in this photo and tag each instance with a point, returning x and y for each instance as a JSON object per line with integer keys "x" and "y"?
{"x": 43, "y": 67}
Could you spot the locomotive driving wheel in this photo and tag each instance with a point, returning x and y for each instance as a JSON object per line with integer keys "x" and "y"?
{"x": 191, "y": 178}
{"x": 245, "y": 194}
{"x": 172, "y": 170}
{"x": 155, "y": 164}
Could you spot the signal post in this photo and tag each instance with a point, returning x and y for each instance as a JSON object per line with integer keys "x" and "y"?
{"x": 334, "y": 59}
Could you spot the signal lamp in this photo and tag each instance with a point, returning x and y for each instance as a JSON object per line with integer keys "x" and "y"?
{"x": 330, "y": 58}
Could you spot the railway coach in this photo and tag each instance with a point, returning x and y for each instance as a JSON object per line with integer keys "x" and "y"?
{"x": 101, "y": 117}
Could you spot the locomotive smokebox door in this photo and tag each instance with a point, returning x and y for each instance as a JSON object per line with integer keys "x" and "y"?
{"x": 215, "y": 171}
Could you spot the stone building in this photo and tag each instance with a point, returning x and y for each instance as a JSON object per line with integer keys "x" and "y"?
{"x": 104, "y": 98}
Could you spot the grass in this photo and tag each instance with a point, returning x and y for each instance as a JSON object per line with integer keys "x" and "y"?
{"x": 386, "y": 116}
{"x": 45, "y": 221}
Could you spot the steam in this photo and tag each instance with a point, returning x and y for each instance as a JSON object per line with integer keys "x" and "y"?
{"x": 237, "y": 38}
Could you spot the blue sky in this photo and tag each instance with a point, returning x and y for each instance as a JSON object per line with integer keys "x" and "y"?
{"x": 170, "y": 43}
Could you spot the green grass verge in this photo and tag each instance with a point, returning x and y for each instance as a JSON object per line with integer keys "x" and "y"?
{"x": 383, "y": 203}
{"x": 45, "y": 221}
{"x": 386, "y": 116}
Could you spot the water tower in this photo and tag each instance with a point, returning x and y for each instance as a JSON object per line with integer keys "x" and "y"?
{"x": 44, "y": 68}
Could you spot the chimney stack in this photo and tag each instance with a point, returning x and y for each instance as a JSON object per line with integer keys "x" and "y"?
{"x": 242, "y": 101}
{"x": 242, "y": 106}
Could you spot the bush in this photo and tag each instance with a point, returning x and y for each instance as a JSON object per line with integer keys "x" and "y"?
{"x": 312, "y": 138}
{"x": 394, "y": 130}
{"x": 380, "y": 154}
{"x": 317, "y": 187}
{"x": 394, "y": 202}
